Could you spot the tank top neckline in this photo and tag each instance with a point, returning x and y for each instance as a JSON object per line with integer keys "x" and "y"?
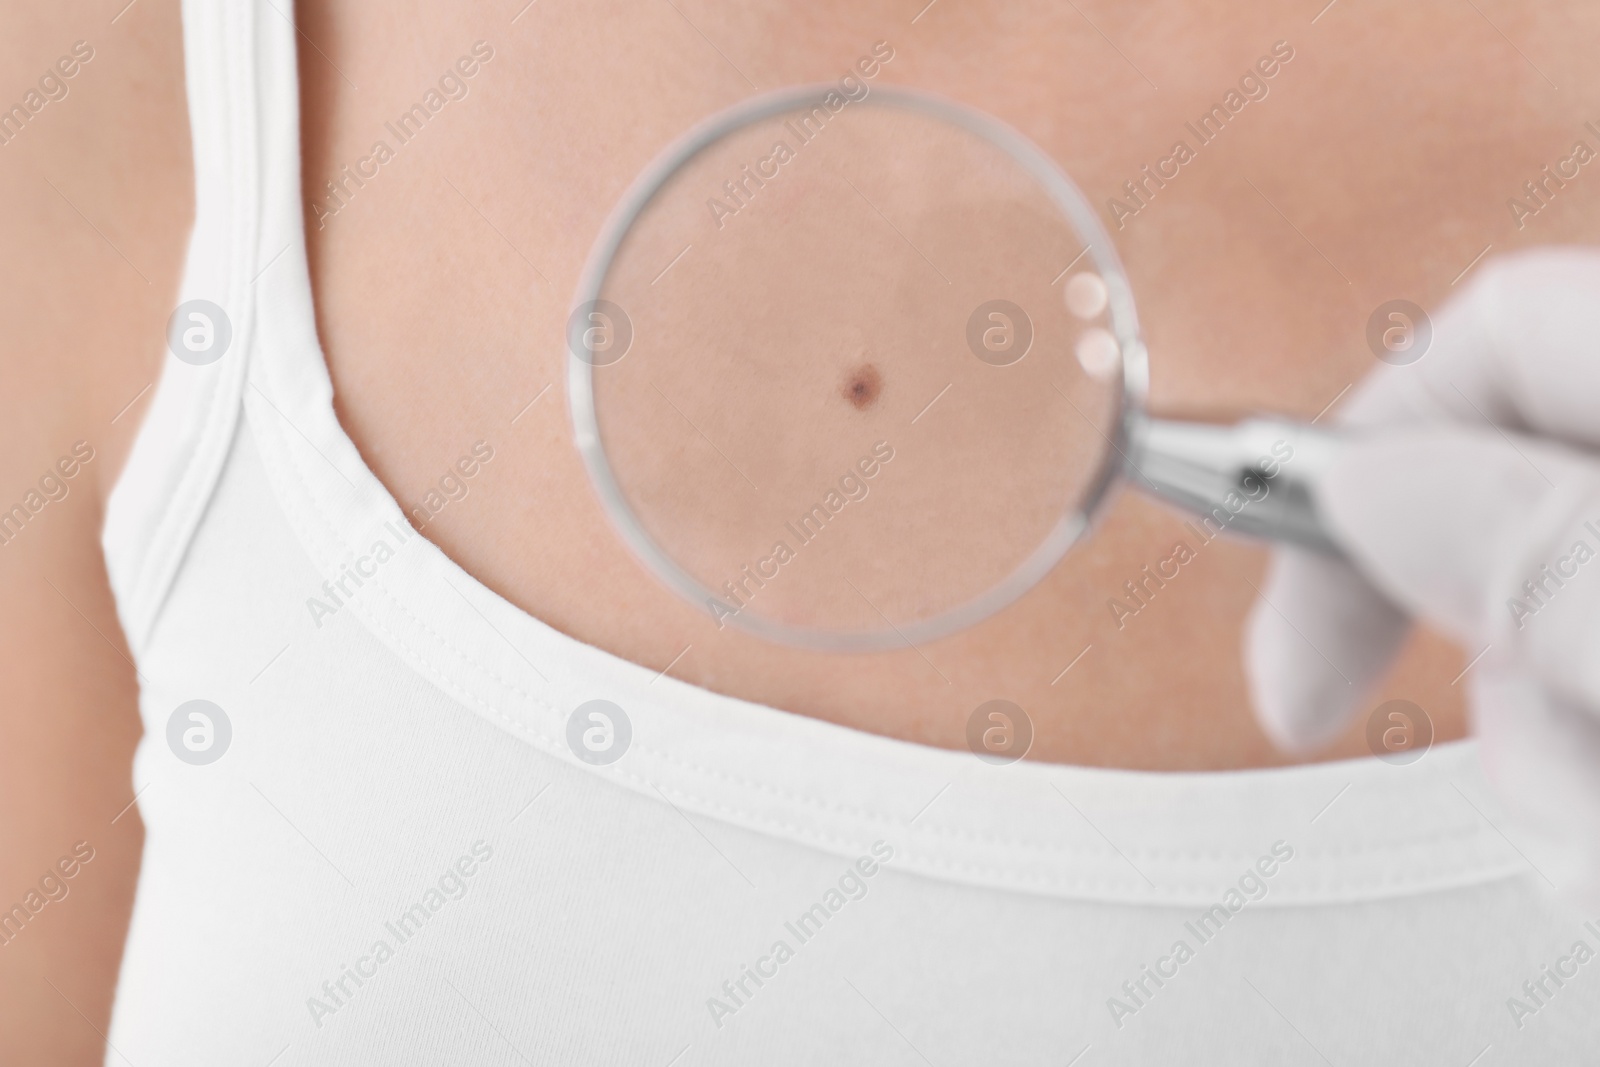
{"x": 1359, "y": 829}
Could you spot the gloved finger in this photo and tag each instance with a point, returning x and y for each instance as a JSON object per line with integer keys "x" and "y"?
{"x": 1317, "y": 638}
{"x": 1515, "y": 349}
{"x": 1540, "y": 753}
{"x": 1494, "y": 540}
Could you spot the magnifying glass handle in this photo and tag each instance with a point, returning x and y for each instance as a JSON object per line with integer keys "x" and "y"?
{"x": 1256, "y": 478}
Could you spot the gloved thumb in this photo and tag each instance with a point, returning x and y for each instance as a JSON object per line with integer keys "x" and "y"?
{"x": 1318, "y": 637}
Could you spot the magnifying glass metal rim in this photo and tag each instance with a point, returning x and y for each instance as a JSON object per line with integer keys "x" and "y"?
{"x": 1069, "y": 528}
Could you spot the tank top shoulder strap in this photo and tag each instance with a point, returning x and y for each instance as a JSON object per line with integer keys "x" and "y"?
{"x": 243, "y": 104}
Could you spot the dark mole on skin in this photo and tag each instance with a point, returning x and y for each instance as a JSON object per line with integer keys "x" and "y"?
{"x": 863, "y": 387}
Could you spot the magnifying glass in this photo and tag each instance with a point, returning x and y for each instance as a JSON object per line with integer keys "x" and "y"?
{"x": 855, "y": 372}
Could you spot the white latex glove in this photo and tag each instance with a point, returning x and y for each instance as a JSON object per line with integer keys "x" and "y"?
{"x": 1468, "y": 472}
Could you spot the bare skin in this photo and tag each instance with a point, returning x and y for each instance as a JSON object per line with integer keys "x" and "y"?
{"x": 85, "y": 313}
{"x": 464, "y": 253}
{"x": 1380, "y": 166}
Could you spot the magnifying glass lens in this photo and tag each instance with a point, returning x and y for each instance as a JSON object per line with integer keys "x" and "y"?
{"x": 855, "y": 374}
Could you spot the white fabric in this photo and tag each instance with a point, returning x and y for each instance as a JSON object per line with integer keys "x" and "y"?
{"x": 408, "y": 756}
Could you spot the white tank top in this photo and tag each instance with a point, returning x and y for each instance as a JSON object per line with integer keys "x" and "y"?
{"x": 399, "y": 857}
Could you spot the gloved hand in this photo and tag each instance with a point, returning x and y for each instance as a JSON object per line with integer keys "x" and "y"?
{"x": 1468, "y": 496}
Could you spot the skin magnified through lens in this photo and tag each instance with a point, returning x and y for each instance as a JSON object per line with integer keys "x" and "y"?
{"x": 891, "y": 234}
